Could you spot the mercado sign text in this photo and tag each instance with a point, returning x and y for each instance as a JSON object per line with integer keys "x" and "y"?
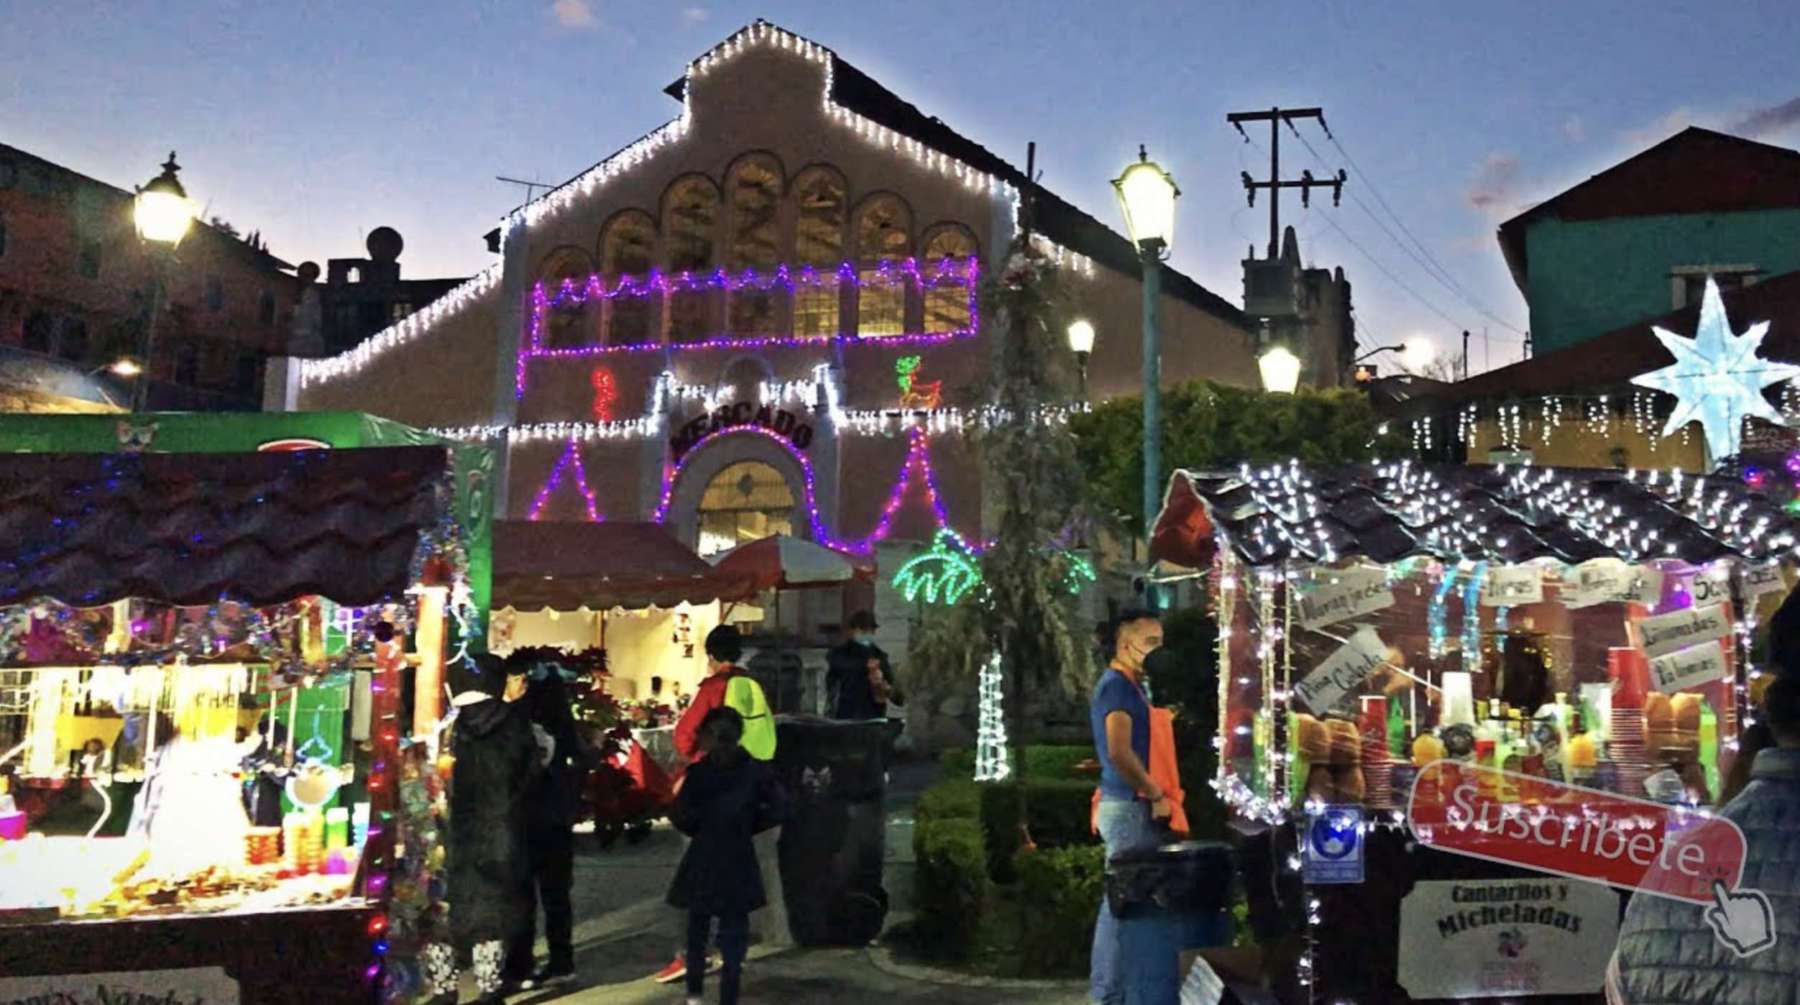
{"x": 745, "y": 414}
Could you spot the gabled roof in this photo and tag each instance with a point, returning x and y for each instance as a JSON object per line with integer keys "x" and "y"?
{"x": 1695, "y": 171}
{"x": 1056, "y": 218}
{"x": 565, "y": 566}
{"x": 1608, "y": 362}
{"x": 263, "y": 528}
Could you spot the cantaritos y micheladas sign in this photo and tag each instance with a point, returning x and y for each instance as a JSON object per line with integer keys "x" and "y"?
{"x": 783, "y": 423}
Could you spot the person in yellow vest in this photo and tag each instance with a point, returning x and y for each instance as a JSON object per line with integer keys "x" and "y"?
{"x": 727, "y": 685}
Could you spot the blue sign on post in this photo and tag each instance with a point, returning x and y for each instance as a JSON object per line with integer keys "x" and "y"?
{"x": 1333, "y": 849}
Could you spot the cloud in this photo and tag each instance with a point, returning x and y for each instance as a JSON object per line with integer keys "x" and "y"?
{"x": 1771, "y": 119}
{"x": 1573, "y": 129}
{"x": 1661, "y": 128}
{"x": 577, "y": 14}
{"x": 694, "y": 15}
{"x": 1495, "y": 190}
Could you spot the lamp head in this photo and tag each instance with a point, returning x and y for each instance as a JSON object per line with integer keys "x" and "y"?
{"x": 1147, "y": 197}
{"x": 1081, "y": 337}
{"x": 1280, "y": 369}
{"x": 162, "y": 210}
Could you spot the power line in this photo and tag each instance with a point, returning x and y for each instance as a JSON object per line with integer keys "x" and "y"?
{"x": 1436, "y": 270}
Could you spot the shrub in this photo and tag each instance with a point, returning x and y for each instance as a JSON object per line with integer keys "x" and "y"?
{"x": 1060, "y": 813}
{"x": 957, "y": 762}
{"x": 1060, "y": 889}
{"x": 1041, "y": 761}
{"x": 957, "y": 799}
{"x": 951, "y": 883}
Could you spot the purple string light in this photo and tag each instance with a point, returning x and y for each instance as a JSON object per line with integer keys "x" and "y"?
{"x": 918, "y": 458}
{"x": 569, "y": 461}
{"x": 964, "y": 273}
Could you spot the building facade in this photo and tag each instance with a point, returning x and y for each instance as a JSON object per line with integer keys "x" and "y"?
{"x": 76, "y": 282}
{"x": 1639, "y": 239}
{"x": 760, "y": 318}
{"x": 362, "y": 296}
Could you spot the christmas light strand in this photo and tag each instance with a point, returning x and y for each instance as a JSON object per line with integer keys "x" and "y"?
{"x": 992, "y": 759}
{"x": 569, "y": 462}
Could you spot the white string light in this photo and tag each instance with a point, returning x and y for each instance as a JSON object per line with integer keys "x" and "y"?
{"x": 992, "y": 760}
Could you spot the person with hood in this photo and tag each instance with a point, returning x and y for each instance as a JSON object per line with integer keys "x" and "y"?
{"x": 727, "y": 685}
{"x": 1677, "y": 953}
{"x": 553, "y": 804}
{"x": 726, "y": 799}
{"x": 496, "y": 754}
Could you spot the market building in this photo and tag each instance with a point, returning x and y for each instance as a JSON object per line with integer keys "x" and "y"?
{"x": 760, "y": 319}
{"x": 76, "y": 287}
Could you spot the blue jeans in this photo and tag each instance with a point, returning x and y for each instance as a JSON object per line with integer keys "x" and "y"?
{"x": 1125, "y": 825}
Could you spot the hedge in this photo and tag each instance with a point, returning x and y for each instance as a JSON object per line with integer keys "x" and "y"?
{"x": 946, "y": 800}
{"x": 1061, "y": 890}
{"x": 1060, "y": 814}
{"x": 951, "y": 883}
{"x": 1050, "y": 761}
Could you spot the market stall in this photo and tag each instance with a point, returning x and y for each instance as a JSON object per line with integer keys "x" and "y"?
{"x": 1587, "y": 626}
{"x": 203, "y": 661}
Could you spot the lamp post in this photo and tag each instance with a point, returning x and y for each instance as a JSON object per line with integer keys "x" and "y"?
{"x": 1147, "y": 197}
{"x": 162, "y": 214}
{"x": 1081, "y": 343}
{"x": 1414, "y": 353}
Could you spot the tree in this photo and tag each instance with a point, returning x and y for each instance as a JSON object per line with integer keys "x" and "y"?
{"x": 1024, "y": 610}
{"x": 1208, "y": 425}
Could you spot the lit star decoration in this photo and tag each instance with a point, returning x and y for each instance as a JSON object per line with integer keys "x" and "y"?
{"x": 1717, "y": 377}
{"x": 569, "y": 461}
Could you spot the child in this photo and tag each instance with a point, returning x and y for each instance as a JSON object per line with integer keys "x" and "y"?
{"x": 726, "y": 798}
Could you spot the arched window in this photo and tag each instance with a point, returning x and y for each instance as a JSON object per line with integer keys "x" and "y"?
{"x": 747, "y": 501}
{"x": 690, "y": 225}
{"x": 565, "y": 325}
{"x": 215, "y": 293}
{"x": 883, "y": 234}
{"x": 74, "y": 342}
{"x": 821, "y": 210}
{"x": 948, "y": 246}
{"x": 628, "y": 248}
{"x": 754, "y": 188}
{"x": 265, "y": 309}
{"x": 40, "y": 331}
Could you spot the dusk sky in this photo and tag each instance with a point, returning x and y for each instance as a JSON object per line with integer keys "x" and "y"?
{"x": 315, "y": 122}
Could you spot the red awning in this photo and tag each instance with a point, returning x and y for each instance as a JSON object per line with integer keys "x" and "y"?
{"x": 780, "y": 562}
{"x": 565, "y": 566}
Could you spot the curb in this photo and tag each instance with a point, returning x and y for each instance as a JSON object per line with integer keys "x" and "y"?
{"x": 882, "y": 958}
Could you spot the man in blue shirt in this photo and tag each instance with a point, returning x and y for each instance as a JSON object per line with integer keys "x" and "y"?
{"x": 1130, "y": 803}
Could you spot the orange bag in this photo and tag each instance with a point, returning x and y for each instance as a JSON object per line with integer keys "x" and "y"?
{"x": 1163, "y": 771}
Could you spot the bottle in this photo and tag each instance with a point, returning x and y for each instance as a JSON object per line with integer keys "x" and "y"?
{"x": 1396, "y": 731}
{"x": 1582, "y": 754}
{"x": 1709, "y": 748}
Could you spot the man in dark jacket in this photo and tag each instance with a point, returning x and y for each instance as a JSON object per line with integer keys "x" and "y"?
{"x": 859, "y": 679}
{"x": 489, "y": 872}
{"x": 1676, "y": 953}
{"x": 552, "y": 806}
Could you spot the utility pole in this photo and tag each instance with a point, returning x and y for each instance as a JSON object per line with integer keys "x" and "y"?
{"x": 1275, "y": 117}
{"x": 1465, "y": 358}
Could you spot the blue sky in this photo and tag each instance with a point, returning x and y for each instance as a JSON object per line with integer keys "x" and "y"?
{"x": 315, "y": 122}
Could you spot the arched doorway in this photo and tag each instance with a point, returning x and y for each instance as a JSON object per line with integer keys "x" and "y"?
{"x": 745, "y": 501}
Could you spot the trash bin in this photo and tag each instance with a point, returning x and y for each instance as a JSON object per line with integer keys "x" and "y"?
{"x": 834, "y": 843}
{"x": 1167, "y": 900}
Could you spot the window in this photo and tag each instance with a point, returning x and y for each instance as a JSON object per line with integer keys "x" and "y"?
{"x": 754, "y": 186}
{"x": 628, "y": 248}
{"x": 745, "y": 502}
{"x": 1688, "y": 282}
{"x": 73, "y": 345}
{"x": 565, "y": 325}
{"x": 822, "y": 208}
{"x": 40, "y": 332}
{"x": 265, "y": 309}
{"x": 883, "y": 234}
{"x": 215, "y": 294}
{"x": 398, "y": 311}
{"x": 947, "y": 304}
{"x": 248, "y": 377}
{"x": 88, "y": 262}
{"x": 690, "y": 221}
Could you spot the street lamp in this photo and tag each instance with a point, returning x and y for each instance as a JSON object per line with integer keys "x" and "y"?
{"x": 1147, "y": 197}
{"x": 1280, "y": 369}
{"x": 162, "y": 213}
{"x": 1415, "y": 354}
{"x": 1081, "y": 343}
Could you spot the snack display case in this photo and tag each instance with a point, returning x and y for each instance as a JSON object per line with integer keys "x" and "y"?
{"x": 1585, "y": 627}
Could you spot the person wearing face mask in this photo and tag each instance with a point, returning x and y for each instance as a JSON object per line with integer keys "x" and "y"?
{"x": 859, "y": 679}
{"x": 1130, "y": 802}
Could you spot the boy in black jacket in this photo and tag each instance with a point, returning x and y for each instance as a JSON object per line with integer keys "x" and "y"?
{"x": 726, "y": 798}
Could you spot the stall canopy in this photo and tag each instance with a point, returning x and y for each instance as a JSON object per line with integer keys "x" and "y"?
{"x": 1512, "y": 514}
{"x": 601, "y": 566}
{"x": 263, "y": 528}
{"x": 780, "y": 562}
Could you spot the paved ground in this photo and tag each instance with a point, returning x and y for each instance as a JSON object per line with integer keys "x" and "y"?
{"x": 625, "y": 932}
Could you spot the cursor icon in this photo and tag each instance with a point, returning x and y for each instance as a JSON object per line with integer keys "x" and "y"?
{"x": 1741, "y": 919}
